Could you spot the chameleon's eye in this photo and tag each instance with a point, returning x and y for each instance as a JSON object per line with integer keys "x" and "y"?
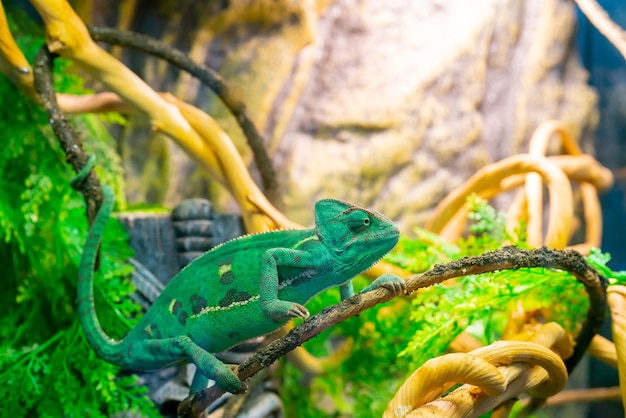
{"x": 358, "y": 221}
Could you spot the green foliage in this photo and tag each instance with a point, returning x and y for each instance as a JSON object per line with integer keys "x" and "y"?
{"x": 46, "y": 366}
{"x": 488, "y": 229}
{"x": 392, "y": 340}
{"x": 430, "y": 248}
{"x": 599, "y": 260}
{"x": 362, "y": 383}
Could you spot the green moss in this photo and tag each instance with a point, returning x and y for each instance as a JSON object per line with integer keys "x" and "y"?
{"x": 145, "y": 208}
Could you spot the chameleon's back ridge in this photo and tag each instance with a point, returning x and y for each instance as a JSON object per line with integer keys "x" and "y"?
{"x": 244, "y": 288}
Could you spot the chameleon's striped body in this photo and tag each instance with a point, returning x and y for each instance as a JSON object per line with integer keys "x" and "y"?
{"x": 241, "y": 289}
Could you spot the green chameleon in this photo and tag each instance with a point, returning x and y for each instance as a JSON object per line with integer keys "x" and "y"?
{"x": 241, "y": 289}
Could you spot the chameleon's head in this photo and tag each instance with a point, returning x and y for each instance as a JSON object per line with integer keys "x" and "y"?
{"x": 359, "y": 237}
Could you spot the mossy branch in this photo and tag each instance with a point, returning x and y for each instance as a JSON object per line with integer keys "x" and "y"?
{"x": 506, "y": 258}
{"x": 68, "y": 138}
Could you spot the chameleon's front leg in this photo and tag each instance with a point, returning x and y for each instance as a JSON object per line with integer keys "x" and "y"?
{"x": 389, "y": 281}
{"x": 346, "y": 290}
{"x": 273, "y": 307}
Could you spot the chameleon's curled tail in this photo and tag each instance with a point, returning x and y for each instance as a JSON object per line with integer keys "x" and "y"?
{"x": 104, "y": 346}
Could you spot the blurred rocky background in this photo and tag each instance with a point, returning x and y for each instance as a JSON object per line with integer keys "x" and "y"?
{"x": 386, "y": 104}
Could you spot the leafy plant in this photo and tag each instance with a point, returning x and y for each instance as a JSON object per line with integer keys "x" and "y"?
{"x": 362, "y": 382}
{"x": 46, "y": 366}
{"x": 599, "y": 260}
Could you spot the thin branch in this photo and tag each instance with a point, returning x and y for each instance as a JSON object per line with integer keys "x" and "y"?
{"x": 210, "y": 78}
{"x": 601, "y": 20}
{"x": 13, "y": 63}
{"x": 68, "y": 138}
{"x": 584, "y": 396}
{"x": 505, "y": 258}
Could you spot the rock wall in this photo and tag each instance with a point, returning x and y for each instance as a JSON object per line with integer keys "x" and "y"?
{"x": 407, "y": 101}
{"x": 386, "y": 104}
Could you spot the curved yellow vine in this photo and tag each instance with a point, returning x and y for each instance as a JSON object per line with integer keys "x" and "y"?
{"x": 578, "y": 167}
{"x": 490, "y": 375}
{"x": 617, "y": 304}
{"x": 533, "y": 170}
{"x": 492, "y": 179}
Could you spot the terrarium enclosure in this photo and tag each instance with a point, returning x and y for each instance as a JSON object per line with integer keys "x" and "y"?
{"x": 229, "y": 136}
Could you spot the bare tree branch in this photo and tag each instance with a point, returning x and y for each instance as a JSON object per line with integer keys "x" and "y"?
{"x": 68, "y": 138}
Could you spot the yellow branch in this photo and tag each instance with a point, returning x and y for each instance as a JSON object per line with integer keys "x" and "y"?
{"x": 258, "y": 212}
{"x": 492, "y": 179}
{"x": 492, "y": 375}
{"x": 68, "y": 36}
{"x": 604, "y": 350}
{"x": 617, "y": 303}
{"x": 13, "y": 64}
{"x": 534, "y": 191}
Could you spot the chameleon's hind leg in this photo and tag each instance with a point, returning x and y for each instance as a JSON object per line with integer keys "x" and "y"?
{"x": 209, "y": 367}
{"x": 199, "y": 382}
